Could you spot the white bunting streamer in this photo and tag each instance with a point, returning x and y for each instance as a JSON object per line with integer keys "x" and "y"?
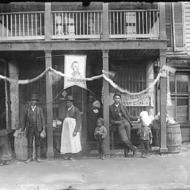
{"x": 162, "y": 73}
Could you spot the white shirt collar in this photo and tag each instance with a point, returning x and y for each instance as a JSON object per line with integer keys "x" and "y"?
{"x": 33, "y": 107}
{"x": 116, "y": 105}
{"x": 70, "y": 108}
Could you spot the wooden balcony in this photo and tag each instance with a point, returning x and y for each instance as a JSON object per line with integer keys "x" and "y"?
{"x": 21, "y": 26}
{"x": 77, "y": 25}
{"x": 71, "y": 25}
{"x": 134, "y": 24}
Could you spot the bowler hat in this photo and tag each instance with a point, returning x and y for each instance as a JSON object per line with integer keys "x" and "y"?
{"x": 68, "y": 98}
{"x": 117, "y": 94}
{"x": 34, "y": 97}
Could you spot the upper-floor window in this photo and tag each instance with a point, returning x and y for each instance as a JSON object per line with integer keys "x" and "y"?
{"x": 174, "y": 25}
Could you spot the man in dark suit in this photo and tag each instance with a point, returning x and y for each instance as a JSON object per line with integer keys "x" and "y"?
{"x": 120, "y": 119}
{"x": 34, "y": 123}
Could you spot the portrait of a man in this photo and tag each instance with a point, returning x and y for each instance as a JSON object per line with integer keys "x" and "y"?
{"x": 75, "y": 69}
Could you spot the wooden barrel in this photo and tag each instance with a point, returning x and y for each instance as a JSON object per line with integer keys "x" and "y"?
{"x": 174, "y": 138}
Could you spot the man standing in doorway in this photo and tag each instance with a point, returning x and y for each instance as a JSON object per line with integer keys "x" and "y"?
{"x": 120, "y": 119}
{"x": 34, "y": 123}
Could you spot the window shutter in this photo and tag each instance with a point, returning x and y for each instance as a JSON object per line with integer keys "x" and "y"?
{"x": 178, "y": 25}
{"x": 168, "y": 9}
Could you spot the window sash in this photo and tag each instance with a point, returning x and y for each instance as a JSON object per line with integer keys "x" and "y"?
{"x": 180, "y": 101}
{"x": 178, "y": 26}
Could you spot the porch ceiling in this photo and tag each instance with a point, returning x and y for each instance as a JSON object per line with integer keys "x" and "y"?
{"x": 84, "y": 45}
{"x": 134, "y": 54}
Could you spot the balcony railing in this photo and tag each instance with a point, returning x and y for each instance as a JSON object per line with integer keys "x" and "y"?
{"x": 80, "y": 25}
{"x": 21, "y": 25}
{"x": 134, "y": 24}
{"x": 77, "y": 24}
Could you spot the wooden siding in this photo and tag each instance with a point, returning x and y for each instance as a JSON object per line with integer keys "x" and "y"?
{"x": 187, "y": 25}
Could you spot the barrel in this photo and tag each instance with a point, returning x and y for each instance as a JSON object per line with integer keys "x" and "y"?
{"x": 174, "y": 138}
{"x": 21, "y": 149}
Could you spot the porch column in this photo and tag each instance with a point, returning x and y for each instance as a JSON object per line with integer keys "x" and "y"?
{"x": 49, "y": 105}
{"x": 105, "y": 54}
{"x": 105, "y": 22}
{"x": 14, "y": 94}
{"x": 48, "y": 21}
{"x": 163, "y": 99}
{"x": 162, "y": 21}
{"x": 149, "y": 80}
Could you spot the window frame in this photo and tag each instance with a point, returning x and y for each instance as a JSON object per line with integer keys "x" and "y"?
{"x": 175, "y": 95}
{"x": 176, "y": 48}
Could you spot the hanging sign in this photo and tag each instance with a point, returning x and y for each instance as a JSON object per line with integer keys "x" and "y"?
{"x": 75, "y": 69}
{"x": 134, "y": 100}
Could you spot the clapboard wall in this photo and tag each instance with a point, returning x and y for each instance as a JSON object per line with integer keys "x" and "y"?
{"x": 186, "y": 7}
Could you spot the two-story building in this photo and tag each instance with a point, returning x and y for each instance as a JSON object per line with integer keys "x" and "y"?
{"x": 127, "y": 38}
{"x": 177, "y": 56}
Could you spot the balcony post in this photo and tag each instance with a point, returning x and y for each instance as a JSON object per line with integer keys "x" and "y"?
{"x": 163, "y": 99}
{"x": 162, "y": 21}
{"x": 48, "y": 21}
{"x": 14, "y": 94}
{"x": 49, "y": 103}
{"x": 105, "y": 56}
{"x": 105, "y": 22}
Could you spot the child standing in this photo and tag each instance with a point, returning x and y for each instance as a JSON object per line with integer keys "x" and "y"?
{"x": 100, "y": 134}
{"x": 145, "y": 133}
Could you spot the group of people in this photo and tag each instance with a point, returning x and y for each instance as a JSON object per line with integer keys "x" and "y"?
{"x": 70, "y": 138}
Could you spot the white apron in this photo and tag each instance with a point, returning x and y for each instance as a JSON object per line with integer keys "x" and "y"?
{"x": 70, "y": 144}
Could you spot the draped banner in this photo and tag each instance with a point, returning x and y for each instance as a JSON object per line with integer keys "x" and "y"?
{"x": 134, "y": 100}
{"x": 75, "y": 69}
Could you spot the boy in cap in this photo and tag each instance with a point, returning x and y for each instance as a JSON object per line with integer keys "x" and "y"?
{"x": 100, "y": 134}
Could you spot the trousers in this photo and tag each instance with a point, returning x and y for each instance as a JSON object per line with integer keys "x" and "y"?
{"x": 33, "y": 133}
{"x": 101, "y": 146}
{"x": 124, "y": 130}
{"x": 145, "y": 146}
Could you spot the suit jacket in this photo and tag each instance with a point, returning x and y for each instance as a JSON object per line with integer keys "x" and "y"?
{"x": 75, "y": 113}
{"x": 40, "y": 122}
{"x": 115, "y": 116}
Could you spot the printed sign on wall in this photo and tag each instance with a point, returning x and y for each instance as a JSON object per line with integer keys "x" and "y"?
{"x": 75, "y": 68}
{"x": 136, "y": 100}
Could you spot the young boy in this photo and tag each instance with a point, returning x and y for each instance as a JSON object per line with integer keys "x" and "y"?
{"x": 100, "y": 134}
{"x": 145, "y": 133}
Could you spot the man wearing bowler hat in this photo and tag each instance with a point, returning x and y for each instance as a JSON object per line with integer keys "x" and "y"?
{"x": 34, "y": 123}
{"x": 120, "y": 119}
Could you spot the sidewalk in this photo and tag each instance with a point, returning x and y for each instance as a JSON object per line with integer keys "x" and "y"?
{"x": 168, "y": 171}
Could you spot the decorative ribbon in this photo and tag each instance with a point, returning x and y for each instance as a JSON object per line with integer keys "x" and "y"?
{"x": 105, "y": 75}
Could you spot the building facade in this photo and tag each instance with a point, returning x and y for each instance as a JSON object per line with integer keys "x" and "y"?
{"x": 132, "y": 40}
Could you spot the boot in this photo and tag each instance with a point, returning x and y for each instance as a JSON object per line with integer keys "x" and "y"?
{"x": 37, "y": 159}
{"x": 126, "y": 151}
{"x": 29, "y": 160}
{"x": 134, "y": 150}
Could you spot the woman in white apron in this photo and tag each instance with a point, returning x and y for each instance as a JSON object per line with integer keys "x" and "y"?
{"x": 70, "y": 137}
